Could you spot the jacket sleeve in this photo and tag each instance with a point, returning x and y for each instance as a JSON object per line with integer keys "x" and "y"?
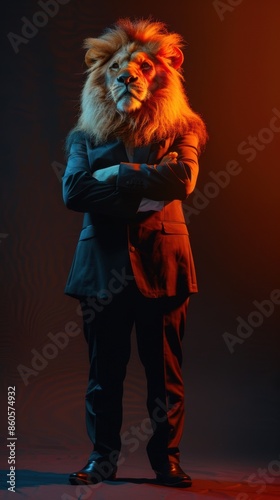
{"x": 165, "y": 181}
{"x": 82, "y": 193}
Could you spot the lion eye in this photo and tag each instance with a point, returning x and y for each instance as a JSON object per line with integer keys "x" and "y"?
{"x": 114, "y": 66}
{"x": 145, "y": 65}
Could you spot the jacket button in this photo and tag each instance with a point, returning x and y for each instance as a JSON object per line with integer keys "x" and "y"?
{"x": 132, "y": 248}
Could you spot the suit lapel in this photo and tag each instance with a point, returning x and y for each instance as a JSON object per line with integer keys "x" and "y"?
{"x": 150, "y": 153}
{"x": 158, "y": 150}
{"x": 141, "y": 154}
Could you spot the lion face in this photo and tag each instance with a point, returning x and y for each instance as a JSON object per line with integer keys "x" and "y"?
{"x": 134, "y": 89}
{"x": 131, "y": 79}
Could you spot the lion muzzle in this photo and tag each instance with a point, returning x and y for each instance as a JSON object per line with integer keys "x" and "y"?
{"x": 126, "y": 78}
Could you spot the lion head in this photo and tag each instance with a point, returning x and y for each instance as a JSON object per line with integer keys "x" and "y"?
{"x": 134, "y": 87}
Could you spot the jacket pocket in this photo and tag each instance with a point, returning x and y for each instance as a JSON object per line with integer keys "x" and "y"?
{"x": 87, "y": 233}
{"x": 174, "y": 228}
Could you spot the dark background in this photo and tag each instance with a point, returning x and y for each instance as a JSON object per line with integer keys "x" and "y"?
{"x": 232, "y": 76}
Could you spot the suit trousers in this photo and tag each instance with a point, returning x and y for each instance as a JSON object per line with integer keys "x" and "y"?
{"x": 159, "y": 325}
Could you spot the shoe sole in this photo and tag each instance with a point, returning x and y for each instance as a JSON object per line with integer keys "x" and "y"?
{"x": 176, "y": 484}
{"x": 81, "y": 481}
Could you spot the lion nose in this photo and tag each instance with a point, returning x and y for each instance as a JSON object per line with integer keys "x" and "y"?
{"x": 126, "y": 78}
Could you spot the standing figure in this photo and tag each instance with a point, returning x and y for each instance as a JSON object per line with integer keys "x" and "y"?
{"x": 132, "y": 160}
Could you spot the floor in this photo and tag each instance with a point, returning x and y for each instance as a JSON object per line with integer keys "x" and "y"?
{"x": 44, "y": 475}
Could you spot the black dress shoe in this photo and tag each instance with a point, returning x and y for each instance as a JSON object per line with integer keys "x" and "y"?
{"x": 94, "y": 472}
{"x": 173, "y": 475}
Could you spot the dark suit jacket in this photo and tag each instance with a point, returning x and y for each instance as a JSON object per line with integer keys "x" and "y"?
{"x": 116, "y": 241}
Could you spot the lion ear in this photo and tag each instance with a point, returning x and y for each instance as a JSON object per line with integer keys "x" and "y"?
{"x": 98, "y": 50}
{"x": 177, "y": 58}
{"x": 89, "y": 58}
{"x": 172, "y": 55}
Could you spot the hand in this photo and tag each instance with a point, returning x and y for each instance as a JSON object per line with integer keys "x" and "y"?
{"x": 107, "y": 174}
{"x": 172, "y": 156}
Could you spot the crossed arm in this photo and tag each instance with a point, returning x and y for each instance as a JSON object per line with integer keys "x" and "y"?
{"x": 118, "y": 190}
{"x": 109, "y": 175}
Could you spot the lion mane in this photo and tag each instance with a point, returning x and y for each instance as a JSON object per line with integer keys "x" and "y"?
{"x": 164, "y": 113}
